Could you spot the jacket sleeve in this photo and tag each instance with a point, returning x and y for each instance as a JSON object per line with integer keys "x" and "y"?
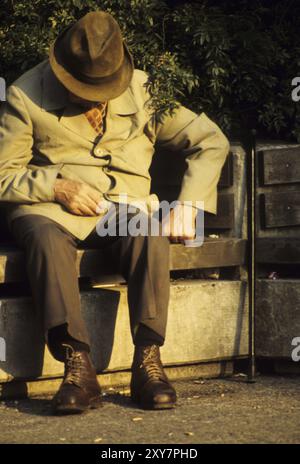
{"x": 20, "y": 182}
{"x": 205, "y": 147}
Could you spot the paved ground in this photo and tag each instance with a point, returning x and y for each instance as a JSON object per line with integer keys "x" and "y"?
{"x": 209, "y": 411}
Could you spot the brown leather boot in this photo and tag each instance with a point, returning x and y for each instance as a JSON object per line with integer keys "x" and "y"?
{"x": 150, "y": 386}
{"x": 80, "y": 389}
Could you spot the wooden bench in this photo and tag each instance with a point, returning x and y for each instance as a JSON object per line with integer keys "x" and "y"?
{"x": 216, "y": 307}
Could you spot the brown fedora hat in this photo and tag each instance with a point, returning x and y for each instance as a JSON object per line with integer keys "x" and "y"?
{"x": 90, "y": 58}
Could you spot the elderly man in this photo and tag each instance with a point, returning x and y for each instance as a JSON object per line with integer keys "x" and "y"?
{"x": 76, "y": 133}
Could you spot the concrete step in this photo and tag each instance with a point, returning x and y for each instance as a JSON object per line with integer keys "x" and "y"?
{"x": 208, "y": 321}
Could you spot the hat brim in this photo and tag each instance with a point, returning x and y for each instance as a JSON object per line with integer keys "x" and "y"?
{"x": 110, "y": 87}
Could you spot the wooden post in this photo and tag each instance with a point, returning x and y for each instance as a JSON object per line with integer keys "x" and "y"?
{"x": 251, "y": 183}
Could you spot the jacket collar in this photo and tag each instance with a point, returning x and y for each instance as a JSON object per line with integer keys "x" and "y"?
{"x": 123, "y": 105}
{"x": 54, "y": 95}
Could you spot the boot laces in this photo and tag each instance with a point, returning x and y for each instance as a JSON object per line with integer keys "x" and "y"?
{"x": 73, "y": 368}
{"x": 151, "y": 363}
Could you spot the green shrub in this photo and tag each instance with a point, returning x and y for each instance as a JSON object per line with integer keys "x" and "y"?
{"x": 233, "y": 60}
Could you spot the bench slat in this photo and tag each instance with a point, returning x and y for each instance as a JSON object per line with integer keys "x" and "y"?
{"x": 280, "y": 166}
{"x": 281, "y": 209}
{"x": 213, "y": 253}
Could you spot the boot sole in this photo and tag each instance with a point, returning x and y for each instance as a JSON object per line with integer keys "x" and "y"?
{"x": 155, "y": 406}
{"x": 94, "y": 403}
{"x": 158, "y": 406}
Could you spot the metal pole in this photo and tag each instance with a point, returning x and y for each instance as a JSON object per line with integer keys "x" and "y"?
{"x": 251, "y": 174}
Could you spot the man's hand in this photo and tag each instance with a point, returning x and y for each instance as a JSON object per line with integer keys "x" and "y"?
{"x": 77, "y": 197}
{"x": 180, "y": 224}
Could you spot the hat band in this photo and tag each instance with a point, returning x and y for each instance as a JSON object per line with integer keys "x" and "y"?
{"x": 94, "y": 80}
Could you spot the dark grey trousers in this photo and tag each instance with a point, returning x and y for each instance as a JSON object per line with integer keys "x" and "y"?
{"x": 50, "y": 252}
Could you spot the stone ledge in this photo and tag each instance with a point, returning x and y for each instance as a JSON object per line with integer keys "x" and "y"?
{"x": 216, "y": 328}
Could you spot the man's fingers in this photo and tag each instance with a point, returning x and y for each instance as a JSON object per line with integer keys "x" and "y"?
{"x": 96, "y": 201}
{"x": 166, "y": 229}
{"x": 90, "y": 196}
{"x": 87, "y": 201}
{"x": 183, "y": 237}
{"x": 182, "y": 233}
{"x": 94, "y": 195}
{"x": 86, "y": 210}
{"x": 81, "y": 208}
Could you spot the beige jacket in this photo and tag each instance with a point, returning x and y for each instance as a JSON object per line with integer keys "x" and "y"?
{"x": 43, "y": 134}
